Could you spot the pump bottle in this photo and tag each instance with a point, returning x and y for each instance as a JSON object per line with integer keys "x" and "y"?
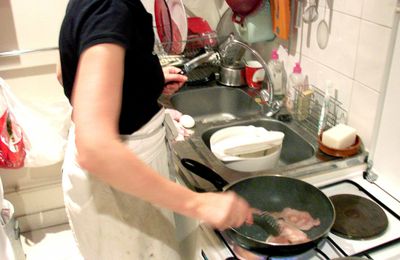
{"x": 295, "y": 84}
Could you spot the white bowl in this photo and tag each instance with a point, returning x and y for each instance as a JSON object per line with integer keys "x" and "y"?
{"x": 257, "y": 161}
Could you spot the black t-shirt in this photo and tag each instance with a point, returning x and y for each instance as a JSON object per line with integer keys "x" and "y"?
{"x": 125, "y": 22}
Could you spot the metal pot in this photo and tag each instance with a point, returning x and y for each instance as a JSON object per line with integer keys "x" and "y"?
{"x": 232, "y": 75}
{"x": 273, "y": 193}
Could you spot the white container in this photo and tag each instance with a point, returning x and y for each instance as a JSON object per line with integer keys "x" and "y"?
{"x": 278, "y": 75}
{"x": 262, "y": 159}
{"x": 295, "y": 84}
{"x": 257, "y": 26}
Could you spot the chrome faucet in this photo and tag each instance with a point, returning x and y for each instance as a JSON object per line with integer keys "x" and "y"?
{"x": 266, "y": 93}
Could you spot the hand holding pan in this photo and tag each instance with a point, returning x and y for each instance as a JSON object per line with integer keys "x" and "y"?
{"x": 273, "y": 194}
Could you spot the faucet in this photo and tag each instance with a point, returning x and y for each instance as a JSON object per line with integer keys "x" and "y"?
{"x": 266, "y": 93}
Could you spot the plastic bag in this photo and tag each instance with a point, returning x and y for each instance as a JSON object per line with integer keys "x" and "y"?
{"x": 12, "y": 148}
{"x": 44, "y": 127}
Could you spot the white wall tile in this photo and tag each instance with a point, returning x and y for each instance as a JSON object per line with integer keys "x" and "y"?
{"x": 371, "y": 54}
{"x": 340, "y": 53}
{"x": 318, "y": 73}
{"x": 379, "y": 11}
{"x": 364, "y": 102}
{"x": 351, "y": 7}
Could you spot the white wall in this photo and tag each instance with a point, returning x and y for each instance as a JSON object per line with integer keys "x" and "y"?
{"x": 27, "y": 24}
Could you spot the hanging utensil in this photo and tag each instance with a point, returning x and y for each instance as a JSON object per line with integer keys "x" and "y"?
{"x": 281, "y": 18}
{"x": 323, "y": 31}
{"x": 310, "y": 14}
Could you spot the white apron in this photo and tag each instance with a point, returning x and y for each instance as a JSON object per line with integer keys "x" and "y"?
{"x": 108, "y": 224}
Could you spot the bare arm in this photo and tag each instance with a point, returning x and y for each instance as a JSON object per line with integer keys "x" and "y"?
{"x": 59, "y": 72}
{"x": 96, "y": 101}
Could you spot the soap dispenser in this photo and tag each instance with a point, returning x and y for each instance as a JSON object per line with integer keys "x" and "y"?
{"x": 278, "y": 75}
{"x": 295, "y": 84}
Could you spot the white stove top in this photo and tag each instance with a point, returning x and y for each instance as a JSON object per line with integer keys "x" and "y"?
{"x": 359, "y": 186}
{"x": 349, "y": 181}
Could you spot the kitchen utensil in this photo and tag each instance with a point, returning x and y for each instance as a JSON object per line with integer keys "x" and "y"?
{"x": 281, "y": 18}
{"x": 249, "y": 150}
{"x": 232, "y": 75}
{"x": 199, "y": 60}
{"x": 310, "y": 14}
{"x": 267, "y": 222}
{"x": 272, "y": 194}
{"x": 323, "y": 32}
{"x": 257, "y": 26}
{"x": 242, "y": 8}
{"x": 202, "y": 74}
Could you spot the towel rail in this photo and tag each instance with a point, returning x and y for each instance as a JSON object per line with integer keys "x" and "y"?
{"x": 21, "y": 52}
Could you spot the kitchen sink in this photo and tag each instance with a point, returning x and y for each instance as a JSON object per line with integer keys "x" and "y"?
{"x": 294, "y": 148}
{"x": 215, "y": 103}
{"x": 215, "y": 107}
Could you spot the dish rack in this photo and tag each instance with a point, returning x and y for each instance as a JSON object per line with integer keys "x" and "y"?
{"x": 314, "y": 119}
{"x": 194, "y": 45}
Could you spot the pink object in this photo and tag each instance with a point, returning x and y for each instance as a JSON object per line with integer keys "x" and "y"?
{"x": 297, "y": 68}
{"x": 254, "y": 74}
{"x": 274, "y": 54}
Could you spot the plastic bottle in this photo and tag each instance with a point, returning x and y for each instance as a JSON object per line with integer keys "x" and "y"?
{"x": 278, "y": 75}
{"x": 295, "y": 84}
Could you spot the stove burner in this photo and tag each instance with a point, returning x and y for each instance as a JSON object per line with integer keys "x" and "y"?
{"x": 357, "y": 217}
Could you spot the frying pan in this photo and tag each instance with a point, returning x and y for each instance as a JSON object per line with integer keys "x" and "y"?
{"x": 273, "y": 194}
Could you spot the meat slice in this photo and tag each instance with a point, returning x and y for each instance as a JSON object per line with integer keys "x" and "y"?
{"x": 300, "y": 219}
{"x": 290, "y": 234}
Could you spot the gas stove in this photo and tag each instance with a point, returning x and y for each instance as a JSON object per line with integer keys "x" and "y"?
{"x": 382, "y": 243}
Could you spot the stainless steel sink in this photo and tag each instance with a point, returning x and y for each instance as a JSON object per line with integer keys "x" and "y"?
{"x": 215, "y": 103}
{"x": 215, "y": 107}
{"x": 294, "y": 149}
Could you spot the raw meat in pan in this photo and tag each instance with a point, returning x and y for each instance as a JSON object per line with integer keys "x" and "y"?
{"x": 301, "y": 219}
{"x": 290, "y": 234}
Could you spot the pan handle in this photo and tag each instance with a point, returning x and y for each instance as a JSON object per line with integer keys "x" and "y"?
{"x": 204, "y": 172}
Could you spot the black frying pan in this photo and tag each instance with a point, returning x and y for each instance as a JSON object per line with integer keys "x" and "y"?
{"x": 273, "y": 194}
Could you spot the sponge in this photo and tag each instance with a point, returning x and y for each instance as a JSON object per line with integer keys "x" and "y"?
{"x": 339, "y": 137}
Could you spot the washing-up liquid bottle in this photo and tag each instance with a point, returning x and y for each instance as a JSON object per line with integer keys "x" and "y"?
{"x": 278, "y": 75}
{"x": 295, "y": 84}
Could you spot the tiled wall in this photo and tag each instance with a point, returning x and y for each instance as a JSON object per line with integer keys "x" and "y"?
{"x": 354, "y": 58}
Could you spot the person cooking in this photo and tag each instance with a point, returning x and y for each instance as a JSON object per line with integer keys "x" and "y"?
{"x": 117, "y": 192}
